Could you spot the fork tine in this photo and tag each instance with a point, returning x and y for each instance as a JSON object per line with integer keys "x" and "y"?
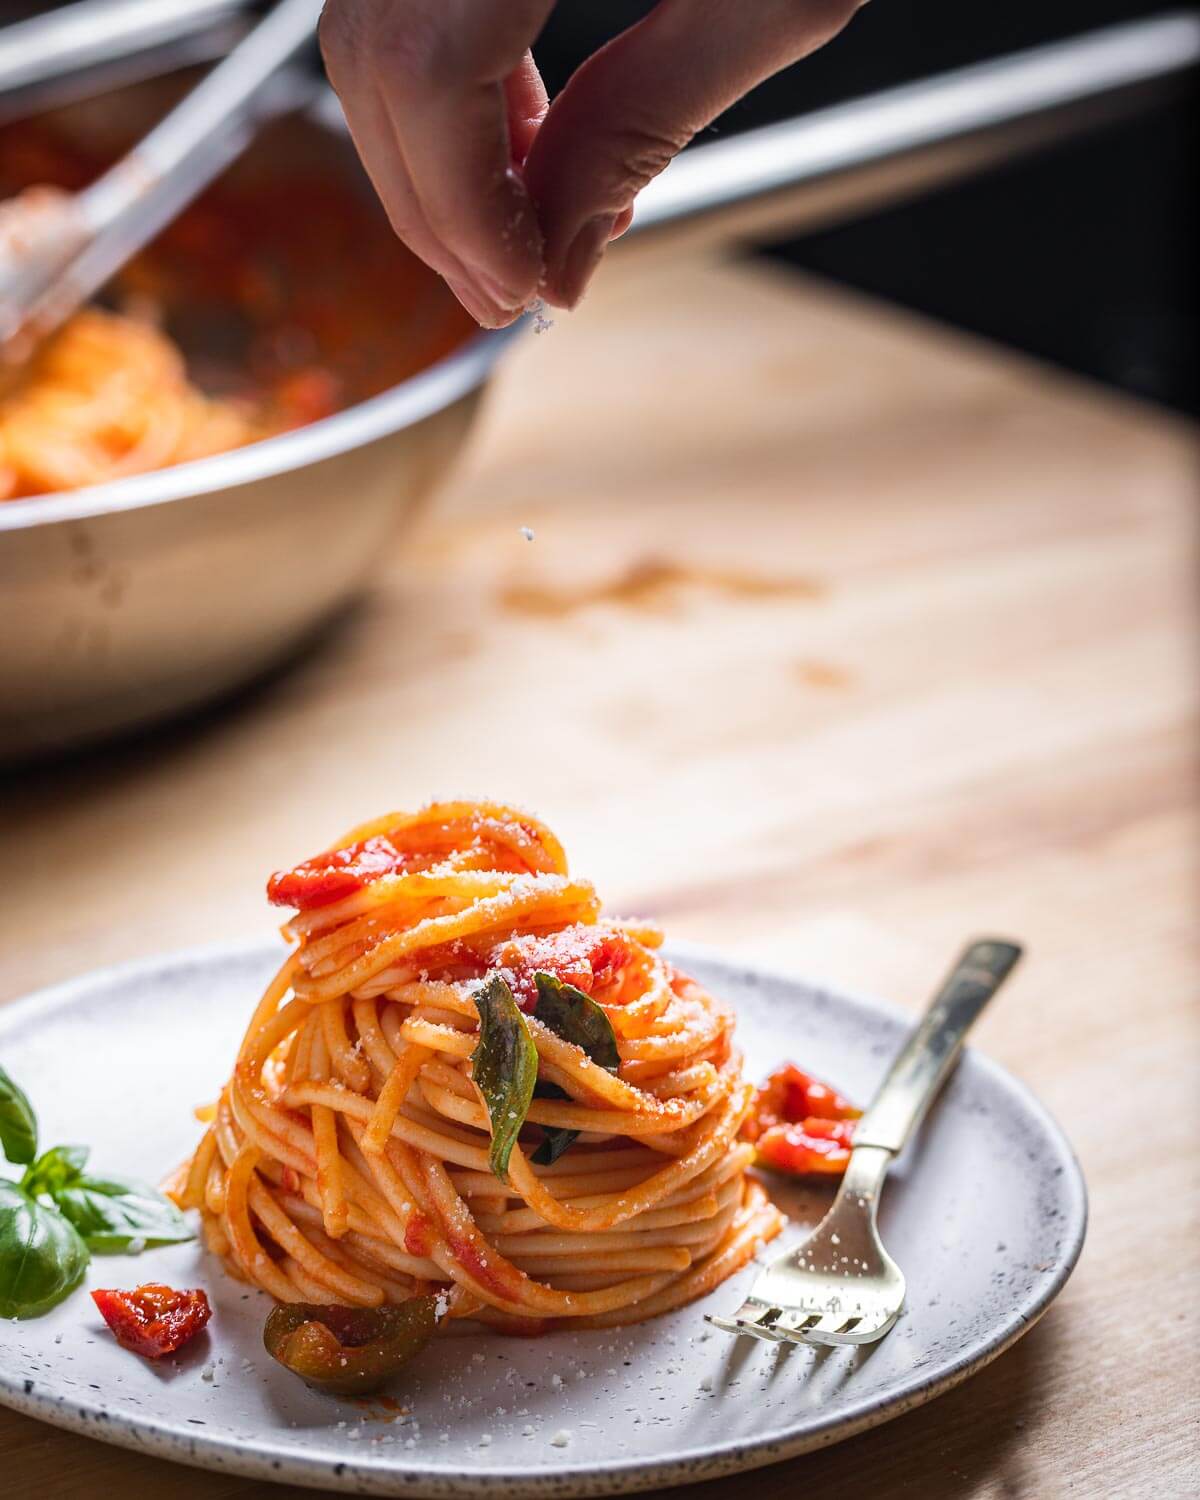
{"x": 754, "y": 1330}
{"x": 800, "y": 1325}
{"x": 854, "y": 1330}
{"x": 795, "y": 1330}
{"x": 754, "y": 1318}
{"x": 750, "y": 1311}
{"x": 797, "y": 1320}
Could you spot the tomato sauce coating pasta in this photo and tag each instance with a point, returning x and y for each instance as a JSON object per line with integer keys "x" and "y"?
{"x": 108, "y": 396}
{"x": 277, "y": 328}
{"x": 348, "y": 1159}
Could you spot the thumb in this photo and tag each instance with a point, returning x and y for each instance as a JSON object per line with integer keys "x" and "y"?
{"x": 638, "y": 101}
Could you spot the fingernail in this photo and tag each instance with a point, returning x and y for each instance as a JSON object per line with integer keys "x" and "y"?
{"x": 504, "y": 297}
{"x": 621, "y": 223}
{"x": 481, "y": 307}
{"x": 583, "y": 256}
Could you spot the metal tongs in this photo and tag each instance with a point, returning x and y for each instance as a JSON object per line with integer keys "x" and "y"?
{"x": 57, "y": 249}
{"x": 90, "y": 47}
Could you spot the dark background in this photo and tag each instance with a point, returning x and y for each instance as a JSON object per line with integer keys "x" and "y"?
{"x": 1083, "y": 255}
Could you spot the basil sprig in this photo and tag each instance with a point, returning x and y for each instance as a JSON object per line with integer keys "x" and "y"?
{"x": 18, "y": 1123}
{"x": 53, "y": 1170}
{"x": 113, "y": 1214}
{"x": 575, "y": 1017}
{"x": 42, "y": 1258}
{"x": 57, "y": 1214}
{"x": 504, "y": 1066}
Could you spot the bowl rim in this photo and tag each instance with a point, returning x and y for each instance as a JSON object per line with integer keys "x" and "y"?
{"x": 431, "y": 390}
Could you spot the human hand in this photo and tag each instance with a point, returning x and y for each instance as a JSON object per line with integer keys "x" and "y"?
{"x": 510, "y": 197}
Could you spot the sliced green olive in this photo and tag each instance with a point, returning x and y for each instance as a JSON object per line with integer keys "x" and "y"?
{"x": 351, "y": 1351}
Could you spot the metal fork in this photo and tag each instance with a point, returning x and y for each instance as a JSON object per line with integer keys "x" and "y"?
{"x": 841, "y": 1286}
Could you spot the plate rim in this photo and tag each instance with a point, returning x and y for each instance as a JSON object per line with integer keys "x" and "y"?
{"x": 180, "y": 1444}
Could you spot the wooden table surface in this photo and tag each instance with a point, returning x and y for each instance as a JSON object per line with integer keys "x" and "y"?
{"x": 841, "y": 637}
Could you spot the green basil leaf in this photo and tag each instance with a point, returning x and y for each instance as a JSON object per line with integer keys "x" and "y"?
{"x": 575, "y": 1017}
{"x": 556, "y": 1139}
{"x": 115, "y": 1214}
{"x": 18, "y": 1123}
{"x": 54, "y": 1170}
{"x": 41, "y": 1256}
{"x": 504, "y": 1066}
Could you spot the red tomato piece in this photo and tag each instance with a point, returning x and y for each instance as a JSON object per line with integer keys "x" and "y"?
{"x": 308, "y": 394}
{"x": 791, "y": 1095}
{"x": 801, "y": 1125}
{"x": 153, "y": 1319}
{"x": 826, "y": 1103}
{"x": 584, "y": 956}
{"x": 813, "y": 1148}
{"x": 609, "y": 959}
{"x": 335, "y": 874}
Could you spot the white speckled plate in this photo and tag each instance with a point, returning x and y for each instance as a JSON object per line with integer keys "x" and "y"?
{"x": 985, "y": 1213}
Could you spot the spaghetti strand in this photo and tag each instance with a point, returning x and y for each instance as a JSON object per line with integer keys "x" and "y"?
{"x": 350, "y": 1153}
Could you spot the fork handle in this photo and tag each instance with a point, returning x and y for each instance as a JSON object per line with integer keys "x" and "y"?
{"x": 932, "y": 1050}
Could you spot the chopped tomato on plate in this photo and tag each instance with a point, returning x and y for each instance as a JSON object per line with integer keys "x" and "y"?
{"x": 153, "y": 1319}
{"x": 800, "y": 1125}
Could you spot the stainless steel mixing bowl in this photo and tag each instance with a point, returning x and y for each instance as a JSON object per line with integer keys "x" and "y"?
{"x": 126, "y": 602}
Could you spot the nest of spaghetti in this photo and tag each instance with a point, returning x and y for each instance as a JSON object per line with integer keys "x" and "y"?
{"x": 465, "y": 1082}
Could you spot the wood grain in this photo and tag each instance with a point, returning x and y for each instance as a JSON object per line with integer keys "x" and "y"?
{"x": 840, "y": 638}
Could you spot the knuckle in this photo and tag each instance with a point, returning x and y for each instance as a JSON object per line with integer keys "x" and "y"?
{"x": 341, "y": 30}
{"x": 330, "y": 29}
{"x": 422, "y": 52}
{"x": 641, "y": 149}
{"x": 405, "y": 38}
{"x": 812, "y": 24}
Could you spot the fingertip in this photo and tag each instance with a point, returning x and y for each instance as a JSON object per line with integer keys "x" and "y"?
{"x": 513, "y": 266}
{"x": 566, "y": 283}
{"x": 504, "y": 317}
{"x": 487, "y": 311}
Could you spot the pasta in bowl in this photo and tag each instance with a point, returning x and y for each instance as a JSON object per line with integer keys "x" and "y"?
{"x": 230, "y": 328}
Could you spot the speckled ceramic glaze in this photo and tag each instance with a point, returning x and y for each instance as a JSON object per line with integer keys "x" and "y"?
{"x": 985, "y": 1213}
